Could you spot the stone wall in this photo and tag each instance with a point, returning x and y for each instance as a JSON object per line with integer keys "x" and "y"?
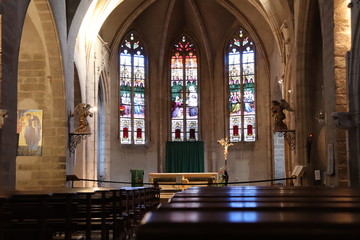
{"x": 41, "y": 87}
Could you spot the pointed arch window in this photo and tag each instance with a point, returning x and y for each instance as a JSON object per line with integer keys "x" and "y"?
{"x": 132, "y": 90}
{"x": 241, "y": 83}
{"x": 184, "y": 91}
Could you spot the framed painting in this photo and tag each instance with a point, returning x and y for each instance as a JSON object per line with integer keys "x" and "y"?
{"x": 29, "y": 128}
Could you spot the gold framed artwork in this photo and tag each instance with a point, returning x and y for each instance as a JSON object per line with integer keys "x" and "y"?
{"x": 29, "y": 128}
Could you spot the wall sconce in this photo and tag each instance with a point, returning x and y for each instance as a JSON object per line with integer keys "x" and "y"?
{"x": 3, "y": 117}
{"x": 320, "y": 116}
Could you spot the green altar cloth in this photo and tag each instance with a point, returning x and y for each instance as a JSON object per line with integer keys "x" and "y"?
{"x": 184, "y": 157}
{"x": 137, "y": 178}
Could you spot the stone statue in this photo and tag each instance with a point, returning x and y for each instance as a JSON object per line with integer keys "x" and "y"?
{"x": 277, "y": 110}
{"x": 82, "y": 110}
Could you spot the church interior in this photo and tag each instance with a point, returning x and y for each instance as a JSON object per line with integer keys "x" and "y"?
{"x": 123, "y": 93}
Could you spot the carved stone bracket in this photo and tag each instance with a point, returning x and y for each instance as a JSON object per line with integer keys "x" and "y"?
{"x": 289, "y": 136}
{"x": 75, "y": 139}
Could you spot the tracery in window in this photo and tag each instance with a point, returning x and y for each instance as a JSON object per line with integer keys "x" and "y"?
{"x": 184, "y": 91}
{"x": 241, "y": 82}
{"x": 132, "y": 90}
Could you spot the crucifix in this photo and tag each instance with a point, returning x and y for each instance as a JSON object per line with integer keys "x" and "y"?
{"x": 226, "y": 144}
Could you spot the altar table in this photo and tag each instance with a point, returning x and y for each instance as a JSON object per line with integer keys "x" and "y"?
{"x": 171, "y": 183}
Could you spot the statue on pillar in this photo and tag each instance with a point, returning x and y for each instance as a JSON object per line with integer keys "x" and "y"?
{"x": 82, "y": 111}
{"x": 277, "y": 110}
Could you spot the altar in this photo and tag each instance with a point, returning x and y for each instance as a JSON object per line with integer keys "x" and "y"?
{"x": 170, "y": 183}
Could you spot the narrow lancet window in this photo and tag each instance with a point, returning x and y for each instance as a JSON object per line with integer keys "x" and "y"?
{"x": 184, "y": 91}
{"x": 132, "y": 90}
{"x": 241, "y": 83}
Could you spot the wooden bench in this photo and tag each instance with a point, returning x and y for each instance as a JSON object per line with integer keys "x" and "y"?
{"x": 256, "y": 213}
{"x": 62, "y": 212}
{"x": 250, "y": 224}
{"x": 268, "y": 205}
{"x": 23, "y": 216}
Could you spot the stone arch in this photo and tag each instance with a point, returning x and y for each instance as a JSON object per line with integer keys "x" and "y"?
{"x": 41, "y": 79}
{"x": 212, "y": 58}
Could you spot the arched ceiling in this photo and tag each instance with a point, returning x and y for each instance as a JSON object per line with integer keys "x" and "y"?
{"x": 211, "y": 18}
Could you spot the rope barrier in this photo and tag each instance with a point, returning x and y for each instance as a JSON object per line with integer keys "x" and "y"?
{"x": 182, "y": 184}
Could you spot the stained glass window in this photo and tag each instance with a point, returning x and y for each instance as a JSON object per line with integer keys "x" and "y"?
{"x": 241, "y": 82}
{"x": 132, "y": 90}
{"x": 184, "y": 91}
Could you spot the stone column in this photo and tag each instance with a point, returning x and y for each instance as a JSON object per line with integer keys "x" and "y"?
{"x": 336, "y": 42}
{"x": 341, "y": 46}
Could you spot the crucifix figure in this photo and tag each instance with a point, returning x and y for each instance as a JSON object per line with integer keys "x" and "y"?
{"x": 226, "y": 144}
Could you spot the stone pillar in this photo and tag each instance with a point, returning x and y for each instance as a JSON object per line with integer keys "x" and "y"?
{"x": 354, "y": 96}
{"x": 336, "y": 42}
{"x": 341, "y": 46}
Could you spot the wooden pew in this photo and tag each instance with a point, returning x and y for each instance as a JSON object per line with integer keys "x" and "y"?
{"x": 256, "y": 213}
{"x": 31, "y": 215}
{"x": 231, "y": 224}
{"x": 110, "y": 209}
{"x": 264, "y": 199}
{"x": 113, "y": 209}
{"x": 62, "y": 212}
{"x": 268, "y": 205}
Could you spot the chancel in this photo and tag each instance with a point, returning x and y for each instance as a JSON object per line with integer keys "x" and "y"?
{"x": 110, "y": 108}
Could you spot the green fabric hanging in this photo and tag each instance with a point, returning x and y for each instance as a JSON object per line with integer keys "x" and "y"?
{"x": 137, "y": 178}
{"x": 184, "y": 157}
